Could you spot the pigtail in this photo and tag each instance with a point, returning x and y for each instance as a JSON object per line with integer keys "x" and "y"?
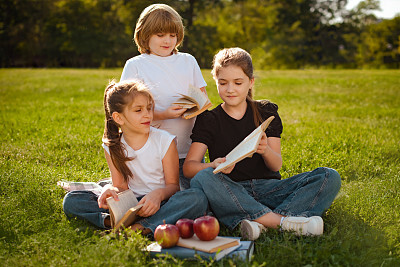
{"x": 257, "y": 118}
{"x": 112, "y": 137}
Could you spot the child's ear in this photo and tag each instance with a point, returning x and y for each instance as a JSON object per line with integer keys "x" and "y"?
{"x": 251, "y": 82}
{"x": 117, "y": 117}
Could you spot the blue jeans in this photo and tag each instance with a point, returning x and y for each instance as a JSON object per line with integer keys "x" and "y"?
{"x": 190, "y": 203}
{"x": 184, "y": 182}
{"x": 83, "y": 205}
{"x": 306, "y": 194}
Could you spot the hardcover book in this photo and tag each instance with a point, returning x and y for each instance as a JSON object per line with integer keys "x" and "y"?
{"x": 243, "y": 251}
{"x": 188, "y": 253}
{"x": 246, "y": 148}
{"x": 219, "y": 243}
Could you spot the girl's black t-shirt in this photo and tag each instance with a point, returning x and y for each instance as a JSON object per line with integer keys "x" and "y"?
{"x": 221, "y": 133}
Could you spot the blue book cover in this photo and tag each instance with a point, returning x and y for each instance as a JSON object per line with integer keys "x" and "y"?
{"x": 244, "y": 251}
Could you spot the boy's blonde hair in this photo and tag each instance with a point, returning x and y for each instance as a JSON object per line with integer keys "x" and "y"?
{"x": 157, "y": 18}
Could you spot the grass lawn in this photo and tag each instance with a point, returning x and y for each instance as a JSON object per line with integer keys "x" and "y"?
{"x": 51, "y": 124}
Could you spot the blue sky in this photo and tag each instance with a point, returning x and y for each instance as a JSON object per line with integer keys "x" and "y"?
{"x": 389, "y": 8}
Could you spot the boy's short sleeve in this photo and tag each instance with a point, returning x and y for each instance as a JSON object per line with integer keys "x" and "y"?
{"x": 130, "y": 71}
{"x": 204, "y": 129}
{"x": 197, "y": 75}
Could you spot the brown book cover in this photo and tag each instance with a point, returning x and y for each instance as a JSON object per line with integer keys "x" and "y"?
{"x": 219, "y": 243}
{"x": 123, "y": 212}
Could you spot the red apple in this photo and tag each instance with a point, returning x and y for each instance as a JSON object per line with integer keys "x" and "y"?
{"x": 206, "y": 228}
{"x": 185, "y": 227}
{"x": 167, "y": 235}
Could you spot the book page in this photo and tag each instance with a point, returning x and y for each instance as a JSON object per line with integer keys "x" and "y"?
{"x": 126, "y": 201}
{"x": 196, "y": 101}
{"x": 246, "y": 148}
{"x": 200, "y": 97}
{"x": 195, "y": 96}
{"x": 185, "y": 103}
{"x": 129, "y": 218}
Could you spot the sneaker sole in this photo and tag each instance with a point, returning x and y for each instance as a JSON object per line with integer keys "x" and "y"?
{"x": 246, "y": 230}
{"x": 320, "y": 229}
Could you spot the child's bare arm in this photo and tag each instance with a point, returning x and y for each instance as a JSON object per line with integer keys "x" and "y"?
{"x": 193, "y": 162}
{"x": 152, "y": 200}
{"x": 270, "y": 149}
{"x": 118, "y": 184}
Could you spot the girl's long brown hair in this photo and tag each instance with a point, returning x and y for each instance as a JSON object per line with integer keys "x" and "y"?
{"x": 117, "y": 96}
{"x": 238, "y": 57}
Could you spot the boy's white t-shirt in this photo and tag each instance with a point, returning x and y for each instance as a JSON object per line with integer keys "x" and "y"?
{"x": 166, "y": 77}
{"x": 146, "y": 167}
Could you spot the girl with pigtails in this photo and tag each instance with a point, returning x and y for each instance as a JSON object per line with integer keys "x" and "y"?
{"x": 141, "y": 158}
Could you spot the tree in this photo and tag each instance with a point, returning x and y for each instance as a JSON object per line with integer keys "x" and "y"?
{"x": 381, "y": 44}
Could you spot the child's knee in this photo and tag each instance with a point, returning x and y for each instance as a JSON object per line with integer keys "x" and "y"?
{"x": 68, "y": 205}
{"x": 200, "y": 197}
{"x": 331, "y": 178}
{"x": 202, "y": 177}
{"x": 74, "y": 200}
{"x": 334, "y": 179}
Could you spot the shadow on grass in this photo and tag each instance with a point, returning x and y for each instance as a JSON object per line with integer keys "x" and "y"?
{"x": 346, "y": 241}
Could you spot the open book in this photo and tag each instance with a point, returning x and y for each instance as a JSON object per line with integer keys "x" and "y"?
{"x": 246, "y": 148}
{"x": 123, "y": 212}
{"x": 218, "y": 244}
{"x": 196, "y": 102}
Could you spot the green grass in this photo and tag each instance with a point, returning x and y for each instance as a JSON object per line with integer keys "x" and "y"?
{"x": 51, "y": 127}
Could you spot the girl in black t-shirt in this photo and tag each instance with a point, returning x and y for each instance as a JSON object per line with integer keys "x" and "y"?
{"x": 251, "y": 192}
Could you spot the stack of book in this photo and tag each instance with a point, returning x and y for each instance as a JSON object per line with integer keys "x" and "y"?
{"x": 216, "y": 249}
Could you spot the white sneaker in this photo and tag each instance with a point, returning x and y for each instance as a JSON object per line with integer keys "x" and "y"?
{"x": 251, "y": 230}
{"x": 304, "y": 226}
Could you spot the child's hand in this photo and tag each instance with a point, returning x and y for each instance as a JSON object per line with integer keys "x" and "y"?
{"x": 174, "y": 112}
{"x": 218, "y": 161}
{"x": 263, "y": 146}
{"x": 152, "y": 202}
{"x": 108, "y": 191}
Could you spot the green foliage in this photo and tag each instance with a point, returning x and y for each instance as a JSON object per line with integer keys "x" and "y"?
{"x": 282, "y": 34}
{"x": 52, "y": 123}
{"x": 381, "y": 47}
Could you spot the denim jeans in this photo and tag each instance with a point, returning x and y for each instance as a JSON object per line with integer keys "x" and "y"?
{"x": 190, "y": 203}
{"x": 306, "y": 194}
{"x": 83, "y": 205}
{"x": 184, "y": 182}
